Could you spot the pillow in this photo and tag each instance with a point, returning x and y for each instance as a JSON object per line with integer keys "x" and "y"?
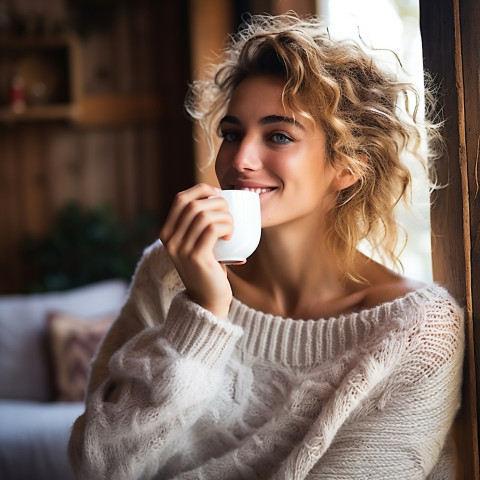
{"x": 24, "y": 372}
{"x": 73, "y": 341}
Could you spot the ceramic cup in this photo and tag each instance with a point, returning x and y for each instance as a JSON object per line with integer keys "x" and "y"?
{"x": 245, "y": 209}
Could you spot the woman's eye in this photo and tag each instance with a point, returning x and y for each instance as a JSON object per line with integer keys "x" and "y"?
{"x": 230, "y": 136}
{"x": 281, "y": 138}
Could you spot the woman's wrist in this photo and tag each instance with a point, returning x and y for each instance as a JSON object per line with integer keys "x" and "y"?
{"x": 220, "y": 310}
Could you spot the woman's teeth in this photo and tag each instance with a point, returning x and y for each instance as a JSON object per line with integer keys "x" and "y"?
{"x": 258, "y": 190}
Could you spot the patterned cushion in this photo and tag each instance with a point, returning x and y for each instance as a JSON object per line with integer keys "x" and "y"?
{"x": 24, "y": 371}
{"x": 73, "y": 341}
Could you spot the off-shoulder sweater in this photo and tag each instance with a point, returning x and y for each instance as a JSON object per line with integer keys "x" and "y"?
{"x": 177, "y": 393}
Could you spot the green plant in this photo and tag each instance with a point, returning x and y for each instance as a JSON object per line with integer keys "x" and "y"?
{"x": 86, "y": 246}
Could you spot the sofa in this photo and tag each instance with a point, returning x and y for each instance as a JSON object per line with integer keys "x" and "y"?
{"x": 46, "y": 344}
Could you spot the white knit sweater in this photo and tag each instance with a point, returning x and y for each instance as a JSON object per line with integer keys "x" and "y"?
{"x": 366, "y": 395}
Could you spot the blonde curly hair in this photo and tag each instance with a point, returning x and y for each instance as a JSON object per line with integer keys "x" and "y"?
{"x": 363, "y": 109}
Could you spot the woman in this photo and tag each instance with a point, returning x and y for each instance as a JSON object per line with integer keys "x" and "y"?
{"x": 311, "y": 360}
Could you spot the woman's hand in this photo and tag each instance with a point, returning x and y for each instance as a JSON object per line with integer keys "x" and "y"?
{"x": 198, "y": 218}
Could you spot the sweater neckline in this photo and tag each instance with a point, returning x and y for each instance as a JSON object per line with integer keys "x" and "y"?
{"x": 422, "y": 291}
{"x": 312, "y": 341}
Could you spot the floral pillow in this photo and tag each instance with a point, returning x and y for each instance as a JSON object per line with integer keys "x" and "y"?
{"x": 73, "y": 341}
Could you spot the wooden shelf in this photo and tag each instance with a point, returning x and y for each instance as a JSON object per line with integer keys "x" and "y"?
{"x": 118, "y": 109}
{"x": 94, "y": 111}
{"x": 30, "y": 42}
{"x": 39, "y": 113}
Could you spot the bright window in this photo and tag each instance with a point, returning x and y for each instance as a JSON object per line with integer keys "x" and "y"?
{"x": 392, "y": 26}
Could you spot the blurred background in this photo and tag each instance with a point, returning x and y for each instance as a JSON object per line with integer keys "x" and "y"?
{"x": 94, "y": 142}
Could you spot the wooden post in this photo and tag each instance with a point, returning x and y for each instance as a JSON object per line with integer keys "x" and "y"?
{"x": 211, "y": 21}
{"x": 451, "y": 46}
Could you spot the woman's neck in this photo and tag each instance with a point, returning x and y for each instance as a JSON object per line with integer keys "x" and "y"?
{"x": 296, "y": 276}
{"x": 293, "y": 275}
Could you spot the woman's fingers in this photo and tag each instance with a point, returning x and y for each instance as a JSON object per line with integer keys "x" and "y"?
{"x": 181, "y": 204}
{"x": 202, "y": 231}
{"x": 207, "y": 219}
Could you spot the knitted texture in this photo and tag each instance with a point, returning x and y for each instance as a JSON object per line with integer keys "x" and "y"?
{"x": 177, "y": 393}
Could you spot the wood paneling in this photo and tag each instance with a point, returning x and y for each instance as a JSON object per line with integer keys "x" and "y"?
{"x": 11, "y": 222}
{"x": 116, "y": 152}
{"x": 172, "y": 47}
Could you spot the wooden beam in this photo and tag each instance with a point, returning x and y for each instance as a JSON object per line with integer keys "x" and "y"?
{"x": 469, "y": 18}
{"x": 302, "y": 7}
{"x": 449, "y": 42}
{"x": 211, "y": 21}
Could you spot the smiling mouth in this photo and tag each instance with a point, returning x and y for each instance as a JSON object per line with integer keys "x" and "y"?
{"x": 259, "y": 190}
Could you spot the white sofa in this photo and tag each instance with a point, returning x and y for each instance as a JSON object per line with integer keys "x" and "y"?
{"x": 45, "y": 345}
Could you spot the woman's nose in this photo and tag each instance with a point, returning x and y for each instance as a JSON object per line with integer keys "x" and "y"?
{"x": 247, "y": 156}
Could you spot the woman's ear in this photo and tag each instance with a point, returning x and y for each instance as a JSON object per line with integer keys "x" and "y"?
{"x": 345, "y": 178}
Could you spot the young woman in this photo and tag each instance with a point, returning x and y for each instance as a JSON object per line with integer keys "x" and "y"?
{"x": 311, "y": 360}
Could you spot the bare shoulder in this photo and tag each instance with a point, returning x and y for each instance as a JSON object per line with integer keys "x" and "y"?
{"x": 384, "y": 285}
{"x": 387, "y": 292}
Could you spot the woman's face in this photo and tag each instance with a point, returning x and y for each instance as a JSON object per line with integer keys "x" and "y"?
{"x": 280, "y": 155}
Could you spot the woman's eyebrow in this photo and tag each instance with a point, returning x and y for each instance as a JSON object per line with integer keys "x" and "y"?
{"x": 264, "y": 121}
{"x": 230, "y": 119}
{"x": 280, "y": 119}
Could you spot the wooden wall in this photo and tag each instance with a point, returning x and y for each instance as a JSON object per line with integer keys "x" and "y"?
{"x": 130, "y": 147}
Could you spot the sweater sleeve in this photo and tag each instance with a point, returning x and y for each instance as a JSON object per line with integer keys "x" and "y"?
{"x": 147, "y": 391}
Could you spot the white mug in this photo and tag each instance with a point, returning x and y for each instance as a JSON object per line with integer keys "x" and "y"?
{"x": 245, "y": 209}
